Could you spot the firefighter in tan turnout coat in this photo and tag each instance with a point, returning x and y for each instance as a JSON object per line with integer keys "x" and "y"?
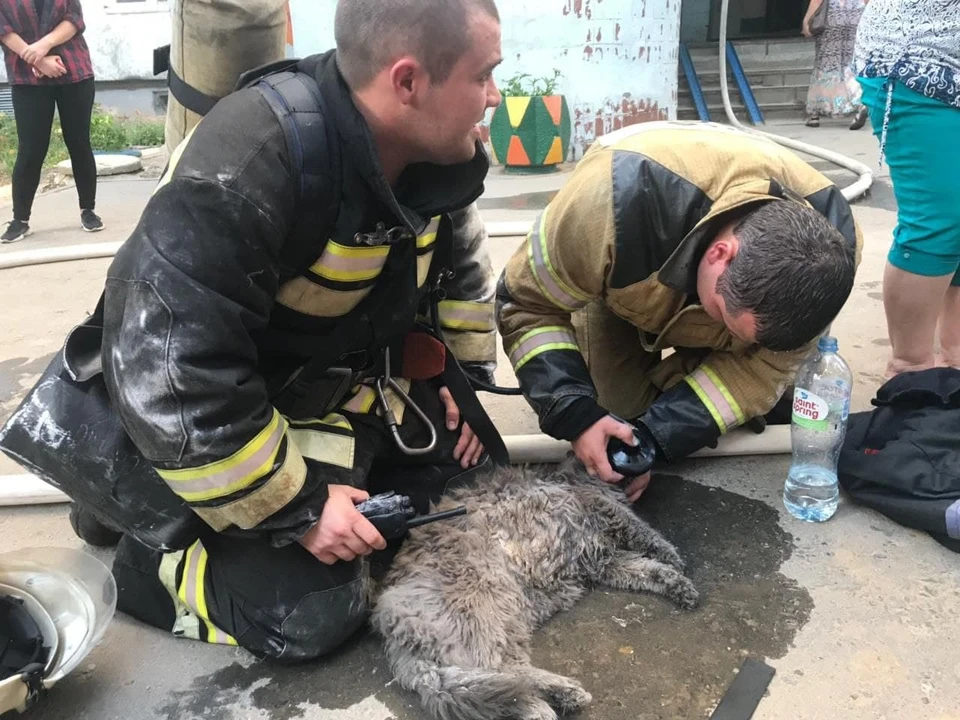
{"x": 717, "y": 244}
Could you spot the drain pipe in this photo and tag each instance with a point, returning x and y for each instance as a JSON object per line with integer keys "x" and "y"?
{"x": 852, "y": 191}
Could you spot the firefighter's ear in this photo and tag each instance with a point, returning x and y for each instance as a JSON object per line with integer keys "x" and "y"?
{"x": 407, "y": 79}
{"x": 722, "y": 250}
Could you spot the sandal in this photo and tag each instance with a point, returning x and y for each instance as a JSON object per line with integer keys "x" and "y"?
{"x": 860, "y": 119}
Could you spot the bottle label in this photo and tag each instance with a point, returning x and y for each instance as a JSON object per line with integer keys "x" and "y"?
{"x": 810, "y": 411}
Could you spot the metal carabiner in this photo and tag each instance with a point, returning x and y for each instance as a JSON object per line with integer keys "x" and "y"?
{"x": 391, "y": 419}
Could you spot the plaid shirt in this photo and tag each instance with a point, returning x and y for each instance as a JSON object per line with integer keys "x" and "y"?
{"x": 20, "y": 16}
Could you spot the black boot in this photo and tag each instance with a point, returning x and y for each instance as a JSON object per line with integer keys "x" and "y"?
{"x": 91, "y": 529}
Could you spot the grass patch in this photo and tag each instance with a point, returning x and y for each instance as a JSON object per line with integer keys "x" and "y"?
{"x": 107, "y": 132}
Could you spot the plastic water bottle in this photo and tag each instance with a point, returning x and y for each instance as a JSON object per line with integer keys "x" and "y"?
{"x": 821, "y": 405}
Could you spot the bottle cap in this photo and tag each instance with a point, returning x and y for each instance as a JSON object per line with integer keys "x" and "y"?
{"x": 827, "y": 344}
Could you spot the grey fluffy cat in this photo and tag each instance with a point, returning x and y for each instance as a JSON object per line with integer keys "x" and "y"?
{"x": 460, "y": 603}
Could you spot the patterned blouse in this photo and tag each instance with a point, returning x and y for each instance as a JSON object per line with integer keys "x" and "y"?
{"x": 914, "y": 41}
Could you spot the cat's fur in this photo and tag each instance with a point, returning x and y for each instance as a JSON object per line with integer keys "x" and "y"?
{"x": 461, "y": 601}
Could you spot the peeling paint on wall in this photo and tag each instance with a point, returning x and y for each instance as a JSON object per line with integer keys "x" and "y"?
{"x": 590, "y": 122}
{"x": 617, "y": 58}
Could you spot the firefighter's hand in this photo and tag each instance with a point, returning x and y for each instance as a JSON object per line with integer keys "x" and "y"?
{"x": 342, "y": 533}
{"x": 591, "y": 447}
{"x": 468, "y": 449}
{"x": 636, "y": 487}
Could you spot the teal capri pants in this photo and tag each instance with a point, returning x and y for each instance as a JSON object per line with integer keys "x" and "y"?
{"x": 922, "y": 148}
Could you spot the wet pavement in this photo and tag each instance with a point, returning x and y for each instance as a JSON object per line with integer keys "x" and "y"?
{"x": 855, "y": 615}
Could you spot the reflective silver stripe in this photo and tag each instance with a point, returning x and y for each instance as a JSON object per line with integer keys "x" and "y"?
{"x": 350, "y": 264}
{"x": 233, "y": 478}
{"x": 551, "y": 285}
{"x": 193, "y": 594}
{"x": 462, "y": 315}
{"x": 717, "y": 398}
{"x": 340, "y": 262}
{"x": 362, "y": 402}
{"x": 539, "y": 341}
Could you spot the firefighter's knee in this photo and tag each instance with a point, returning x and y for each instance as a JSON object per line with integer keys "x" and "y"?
{"x": 320, "y": 622}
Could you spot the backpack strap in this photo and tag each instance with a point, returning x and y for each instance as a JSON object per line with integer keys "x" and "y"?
{"x": 314, "y": 153}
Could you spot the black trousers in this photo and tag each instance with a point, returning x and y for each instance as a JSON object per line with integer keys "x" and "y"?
{"x": 33, "y": 107}
{"x": 283, "y": 603}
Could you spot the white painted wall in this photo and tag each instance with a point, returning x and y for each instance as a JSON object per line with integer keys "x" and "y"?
{"x": 122, "y": 43}
{"x": 618, "y": 58}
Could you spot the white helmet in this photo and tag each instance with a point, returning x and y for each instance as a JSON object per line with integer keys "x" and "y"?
{"x": 55, "y": 605}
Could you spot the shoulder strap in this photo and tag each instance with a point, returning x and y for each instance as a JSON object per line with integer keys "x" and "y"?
{"x": 315, "y": 156}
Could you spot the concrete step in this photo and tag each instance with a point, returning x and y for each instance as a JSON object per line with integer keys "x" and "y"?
{"x": 798, "y": 52}
{"x": 765, "y": 95}
{"x": 765, "y": 76}
{"x": 779, "y": 111}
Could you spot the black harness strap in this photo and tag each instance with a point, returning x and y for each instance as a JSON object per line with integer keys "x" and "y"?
{"x": 472, "y": 411}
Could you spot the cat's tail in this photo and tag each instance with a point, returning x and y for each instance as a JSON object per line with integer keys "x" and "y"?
{"x": 455, "y": 693}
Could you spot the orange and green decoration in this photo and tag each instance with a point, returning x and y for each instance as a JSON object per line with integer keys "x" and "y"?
{"x": 531, "y": 133}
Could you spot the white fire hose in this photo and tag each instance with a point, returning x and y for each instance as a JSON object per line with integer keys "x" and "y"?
{"x": 25, "y": 489}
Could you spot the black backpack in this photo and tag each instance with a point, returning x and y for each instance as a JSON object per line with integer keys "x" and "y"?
{"x": 903, "y": 458}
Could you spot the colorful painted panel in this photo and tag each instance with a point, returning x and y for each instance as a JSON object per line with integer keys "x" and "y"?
{"x": 531, "y": 132}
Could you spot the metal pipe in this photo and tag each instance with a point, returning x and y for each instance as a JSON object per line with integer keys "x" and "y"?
{"x": 852, "y": 191}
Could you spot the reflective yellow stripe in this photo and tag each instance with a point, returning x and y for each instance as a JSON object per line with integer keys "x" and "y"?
{"x": 326, "y": 447}
{"x": 716, "y": 398}
{"x": 423, "y": 267}
{"x": 362, "y": 400}
{"x": 333, "y": 419}
{"x": 549, "y": 282}
{"x": 539, "y": 341}
{"x": 309, "y": 298}
{"x": 237, "y": 472}
{"x": 429, "y": 236}
{"x": 193, "y": 593}
{"x": 472, "y": 346}
{"x": 350, "y": 264}
{"x": 175, "y": 159}
{"x": 365, "y": 401}
{"x": 271, "y": 497}
{"x": 463, "y": 315}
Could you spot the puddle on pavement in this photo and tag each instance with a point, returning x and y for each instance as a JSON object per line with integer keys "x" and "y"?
{"x": 523, "y": 201}
{"x": 14, "y": 371}
{"x": 641, "y": 658}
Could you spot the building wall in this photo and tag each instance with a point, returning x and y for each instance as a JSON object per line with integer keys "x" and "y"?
{"x": 617, "y": 58}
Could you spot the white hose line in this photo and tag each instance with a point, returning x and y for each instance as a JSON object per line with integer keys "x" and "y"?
{"x": 774, "y": 440}
{"x": 23, "y": 258}
{"x": 852, "y": 191}
{"x": 26, "y": 489}
{"x": 90, "y": 251}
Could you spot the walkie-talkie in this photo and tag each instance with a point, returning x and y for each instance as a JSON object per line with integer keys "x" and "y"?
{"x": 394, "y": 515}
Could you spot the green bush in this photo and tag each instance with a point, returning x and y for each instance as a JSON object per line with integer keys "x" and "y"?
{"x": 145, "y": 133}
{"x": 107, "y": 132}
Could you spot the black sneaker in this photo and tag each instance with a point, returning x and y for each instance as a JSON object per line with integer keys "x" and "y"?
{"x": 89, "y": 528}
{"x": 16, "y": 230}
{"x": 90, "y": 221}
